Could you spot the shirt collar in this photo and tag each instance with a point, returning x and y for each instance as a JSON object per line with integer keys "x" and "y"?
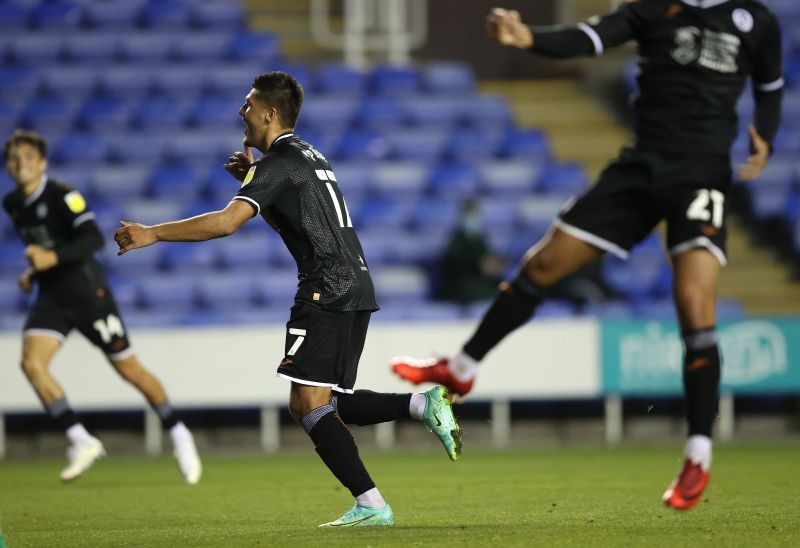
{"x": 38, "y": 192}
{"x": 281, "y": 137}
{"x": 703, "y": 4}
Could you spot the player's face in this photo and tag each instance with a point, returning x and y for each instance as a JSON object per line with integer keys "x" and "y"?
{"x": 25, "y": 164}
{"x": 255, "y": 115}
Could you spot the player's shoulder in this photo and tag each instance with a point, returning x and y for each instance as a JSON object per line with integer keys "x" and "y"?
{"x": 58, "y": 188}
{"x": 755, "y": 7}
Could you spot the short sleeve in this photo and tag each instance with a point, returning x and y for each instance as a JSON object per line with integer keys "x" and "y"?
{"x": 264, "y": 184}
{"x": 74, "y": 206}
{"x": 616, "y": 28}
{"x": 768, "y": 65}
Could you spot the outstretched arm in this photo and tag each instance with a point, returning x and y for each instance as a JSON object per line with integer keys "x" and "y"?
{"x": 208, "y": 226}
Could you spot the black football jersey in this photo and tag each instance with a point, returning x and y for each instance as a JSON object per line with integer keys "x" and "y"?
{"x": 695, "y": 59}
{"x": 295, "y": 190}
{"x": 51, "y": 217}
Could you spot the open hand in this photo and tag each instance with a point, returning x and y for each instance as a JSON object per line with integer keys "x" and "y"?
{"x": 40, "y": 258}
{"x": 133, "y": 236}
{"x": 239, "y": 163}
{"x": 507, "y": 29}
{"x": 757, "y": 161}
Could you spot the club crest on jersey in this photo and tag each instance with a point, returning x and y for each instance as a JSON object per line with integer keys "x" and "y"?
{"x": 75, "y": 202}
{"x": 41, "y": 211}
{"x": 249, "y": 177}
{"x": 742, "y": 19}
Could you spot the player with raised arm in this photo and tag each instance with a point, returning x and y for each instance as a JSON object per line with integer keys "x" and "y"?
{"x": 61, "y": 237}
{"x": 696, "y": 57}
{"x": 293, "y": 188}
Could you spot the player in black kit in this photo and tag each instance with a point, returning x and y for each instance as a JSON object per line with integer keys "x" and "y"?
{"x": 295, "y": 190}
{"x": 696, "y": 57}
{"x": 61, "y": 238}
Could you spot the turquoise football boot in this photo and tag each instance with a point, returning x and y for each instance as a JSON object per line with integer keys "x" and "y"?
{"x": 439, "y": 419}
{"x": 360, "y": 516}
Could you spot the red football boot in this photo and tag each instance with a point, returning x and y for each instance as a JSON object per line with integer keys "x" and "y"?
{"x": 687, "y": 489}
{"x": 433, "y": 370}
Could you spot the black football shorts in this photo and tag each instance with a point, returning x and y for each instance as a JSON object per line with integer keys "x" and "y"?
{"x": 96, "y": 317}
{"x": 641, "y": 188}
{"x": 323, "y": 346}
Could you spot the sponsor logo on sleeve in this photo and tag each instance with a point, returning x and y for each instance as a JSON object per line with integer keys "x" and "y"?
{"x": 249, "y": 177}
{"x": 75, "y": 202}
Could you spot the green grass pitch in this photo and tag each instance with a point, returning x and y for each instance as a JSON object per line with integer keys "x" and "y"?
{"x": 600, "y": 497}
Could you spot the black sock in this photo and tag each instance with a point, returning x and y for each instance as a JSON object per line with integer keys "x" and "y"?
{"x": 169, "y": 417}
{"x": 337, "y": 448}
{"x": 365, "y": 407}
{"x": 512, "y": 307}
{"x": 62, "y": 414}
{"x": 701, "y": 373}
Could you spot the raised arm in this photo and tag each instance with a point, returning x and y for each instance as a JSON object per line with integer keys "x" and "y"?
{"x": 208, "y": 226}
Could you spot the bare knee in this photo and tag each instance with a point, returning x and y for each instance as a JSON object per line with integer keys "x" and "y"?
{"x": 695, "y": 306}
{"x": 32, "y": 366}
{"x": 543, "y": 269}
{"x": 304, "y": 399}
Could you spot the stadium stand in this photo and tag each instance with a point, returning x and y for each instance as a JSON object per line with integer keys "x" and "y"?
{"x": 139, "y": 101}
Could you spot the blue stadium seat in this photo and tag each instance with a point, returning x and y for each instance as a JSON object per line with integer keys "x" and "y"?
{"x": 566, "y": 178}
{"x": 12, "y": 258}
{"x": 9, "y": 115}
{"x": 381, "y": 113}
{"x": 354, "y": 178}
{"x": 37, "y": 48}
{"x": 729, "y": 309}
{"x": 167, "y": 292}
{"x": 126, "y": 82}
{"x": 191, "y": 258}
{"x": 119, "y": 184}
{"x": 531, "y": 144}
{"x": 390, "y": 80}
{"x": 644, "y": 275}
{"x": 145, "y": 263}
{"x": 147, "y": 47}
{"x": 139, "y": 149}
{"x": 173, "y": 15}
{"x": 220, "y": 186}
{"x": 196, "y": 144}
{"x": 498, "y": 212}
{"x": 260, "y": 47}
{"x": 92, "y": 48}
{"x": 11, "y": 298}
{"x": 162, "y": 113}
{"x": 102, "y": 113}
{"x": 71, "y": 82}
{"x": 438, "y": 112}
{"x": 539, "y": 210}
{"x": 488, "y": 111}
{"x": 400, "y": 283}
{"x": 401, "y": 180}
{"x": 147, "y": 319}
{"x": 235, "y": 79}
{"x": 112, "y": 15}
{"x": 435, "y": 213}
{"x": 276, "y": 286}
{"x": 448, "y": 78}
{"x": 13, "y": 17}
{"x": 217, "y": 113}
{"x": 246, "y": 252}
{"x": 418, "y": 144}
{"x": 80, "y": 148}
{"x": 362, "y": 145}
{"x": 203, "y": 47}
{"x": 455, "y": 181}
{"x": 175, "y": 182}
{"x": 474, "y": 145}
{"x": 768, "y": 201}
{"x": 217, "y": 15}
{"x": 126, "y": 292}
{"x": 49, "y": 114}
{"x": 61, "y": 15}
{"x": 609, "y": 310}
{"x": 275, "y": 314}
{"x": 556, "y": 308}
{"x": 16, "y": 82}
{"x": 404, "y": 247}
{"x": 228, "y": 291}
{"x": 329, "y": 112}
{"x": 513, "y": 176}
{"x": 151, "y": 212}
{"x": 337, "y": 78}
{"x": 654, "y": 309}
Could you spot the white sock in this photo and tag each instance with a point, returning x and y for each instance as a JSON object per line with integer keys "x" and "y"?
{"x": 371, "y": 499}
{"x": 78, "y": 435}
{"x": 463, "y": 367}
{"x": 416, "y": 407}
{"x": 698, "y": 450}
{"x": 179, "y": 433}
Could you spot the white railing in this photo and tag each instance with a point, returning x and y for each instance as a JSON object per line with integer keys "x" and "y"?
{"x": 389, "y": 28}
